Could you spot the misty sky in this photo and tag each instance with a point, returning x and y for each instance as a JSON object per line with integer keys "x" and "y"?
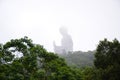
{"x": 88, "y": 21}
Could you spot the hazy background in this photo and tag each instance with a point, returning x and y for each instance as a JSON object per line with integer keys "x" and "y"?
{"x": 88, "y": 21}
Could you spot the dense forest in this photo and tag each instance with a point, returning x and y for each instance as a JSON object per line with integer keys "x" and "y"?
{"x": 21, "y": 59}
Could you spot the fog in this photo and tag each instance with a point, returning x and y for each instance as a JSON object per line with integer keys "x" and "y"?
{"x": 87, "y": 21}
{"x": 66, "y": 42}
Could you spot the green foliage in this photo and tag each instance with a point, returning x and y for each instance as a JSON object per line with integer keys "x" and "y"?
{"x": 79, "y": 59}
{"x": 107, "y": 59}
{"x": 20, "y": 59}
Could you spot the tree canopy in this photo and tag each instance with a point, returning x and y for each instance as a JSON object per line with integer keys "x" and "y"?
{"x": 21, "y": 59}
{"x": 107, "y": 59}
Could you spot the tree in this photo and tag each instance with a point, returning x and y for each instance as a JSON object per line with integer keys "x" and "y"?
{"x": 107, "y": 59}
{"x": 20, "y": 59}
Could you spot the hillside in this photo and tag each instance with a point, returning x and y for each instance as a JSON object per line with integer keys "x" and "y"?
{"x": 79, "y": 58}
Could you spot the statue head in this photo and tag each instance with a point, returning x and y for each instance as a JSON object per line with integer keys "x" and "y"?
{"x": 63, "y": 31}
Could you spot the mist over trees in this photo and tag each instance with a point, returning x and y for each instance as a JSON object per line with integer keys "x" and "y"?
{"x": 73, "y": 58}
{"x": 79, "y": 59}
{"x": 21, "y": 59}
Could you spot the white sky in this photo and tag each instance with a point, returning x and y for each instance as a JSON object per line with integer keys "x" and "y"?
{"x": 88, "y": 21}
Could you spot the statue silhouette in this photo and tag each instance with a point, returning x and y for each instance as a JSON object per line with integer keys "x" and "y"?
{"x": 66, "y": 42}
